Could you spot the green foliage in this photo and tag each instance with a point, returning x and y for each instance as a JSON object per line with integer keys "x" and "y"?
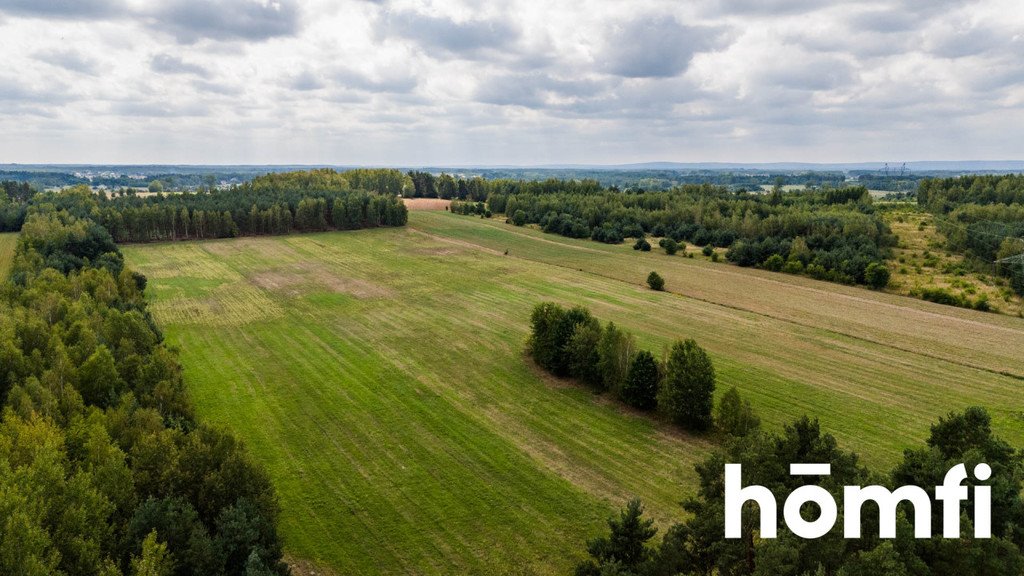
{"x": 837, "y": 227}
{"x": 276, "y": 203}
{"x": 552, "y": 329}
{"x": 735, "y": 416}
{"x": 155, "y": 559}
{"x": 707, "y": 250}
{"x": 640, "y": 389}
{"x": 642, "y": 245}
{"x": 98, "y": 443}
{"x": 583, "y": 349}
{"x": 615, "y": 350}
{"x": 625, "y": 549}
{"x": 670, "y": 246}
{"x": 774, "y": 263}
{"x": 698, "y": 547}
{"x": 876, "y": 275}
{"x": 655, "y": 281}
{"x": 687, "y": 392}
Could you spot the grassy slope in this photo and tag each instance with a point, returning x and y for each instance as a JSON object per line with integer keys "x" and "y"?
{"x": 7, "y": 243}
{"x": 379, "y": 375}
{"x": 921, "y": 260}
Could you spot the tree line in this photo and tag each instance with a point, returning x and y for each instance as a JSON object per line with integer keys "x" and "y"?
{"x": 832, "y": 234}
{"x": 573, "y": 343}
{"x": 104, "y": 467}
{"x": 278, "y": 203}
{"x": 697, "y": 547}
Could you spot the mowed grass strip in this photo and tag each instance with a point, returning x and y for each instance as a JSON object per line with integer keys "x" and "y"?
{"x": 982, "y": 340}
{"x": 407, "y": 432}
{"x": 7, "y": 243}
{"x": 878, "y": 369}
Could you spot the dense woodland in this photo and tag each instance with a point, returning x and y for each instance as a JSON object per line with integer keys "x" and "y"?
{"x": 833, "y": 233}
{"x": 982, "y": 217}
{"x": 278, "y": 203}
{"x": 104, "y": 468}
{"x": 696, "y": 547}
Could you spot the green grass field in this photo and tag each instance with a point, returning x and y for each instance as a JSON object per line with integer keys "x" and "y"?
{"x": 380, "y": 376}
{"x": 7, "y": 243}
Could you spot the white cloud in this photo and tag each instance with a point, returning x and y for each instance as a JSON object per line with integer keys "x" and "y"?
{"x": 466, "y": 81}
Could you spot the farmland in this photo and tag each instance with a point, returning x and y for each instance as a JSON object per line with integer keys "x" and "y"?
{"x": 7, "y": 243}
{"x": 379, "y": 375}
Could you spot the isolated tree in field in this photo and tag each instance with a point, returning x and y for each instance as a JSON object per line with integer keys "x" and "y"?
{"x": 156, "y": 186}
{"x": 625, "y": 550}
{"x": 642, "y": 245}
{"x": 876, "y": 275}
{"x": 670, "y": 246}
{"x": 614, "y": 353}
{"x": 687, "y": 392}
{"x": 584, "y": 360}
{"x": 735, "y": 416}
{"x": 640, "y": 389}
{"x": 655, "y": 281}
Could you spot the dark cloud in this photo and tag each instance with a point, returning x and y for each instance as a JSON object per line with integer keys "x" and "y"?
{"x": 153, "y": 109}
{"x": 810, "y": 74}
{"x": 962, "y": 43}
{"x": 252, "y": 20}
{"x": 305, "y": 81}
{"x": 71, "y": 9}
{"x": 69, "y": 60}
{"x": 393, "y": 83}
{"x": 654, "y": 47}
{"x": 533, "y": 89}
{"x": 206, "y": 87}
{"x": 444, "y": 36}
{"x": 767, "y": 7}
{"x": 884, "y": 21}
{"x": 168, "y": 64}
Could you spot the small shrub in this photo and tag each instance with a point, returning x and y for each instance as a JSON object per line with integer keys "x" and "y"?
{"x": 876, "y": 275}
{"x": 774, "y": 263}
{"x": 708, "y": 250}
{"x": 655, "y": 281}
{"x": 714, "y": 256}
{"x": 642, "y": 245}
{"x": 793, "y": 267}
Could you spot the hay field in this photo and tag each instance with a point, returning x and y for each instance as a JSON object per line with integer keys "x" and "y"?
{"x": 379, "y": 374}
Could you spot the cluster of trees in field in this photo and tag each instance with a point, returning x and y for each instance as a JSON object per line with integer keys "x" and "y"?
{"x": 982, "y": 218}
{"x": 104, "y": 468}
{"x": 832, "y": 234}
{"x": 470, "y": 208}
{"x": 277, "y": 203}
{"x": 697, "y": 546}
{"x": 571, "y": 342}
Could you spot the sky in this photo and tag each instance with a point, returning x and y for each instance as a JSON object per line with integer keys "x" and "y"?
{"x": 463, "y": 82}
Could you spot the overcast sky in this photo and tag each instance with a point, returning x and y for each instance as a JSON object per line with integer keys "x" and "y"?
{"x": 517, "y": 82}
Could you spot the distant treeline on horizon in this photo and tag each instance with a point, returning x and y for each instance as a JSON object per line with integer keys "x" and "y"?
{"x": 650, "y": 177}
